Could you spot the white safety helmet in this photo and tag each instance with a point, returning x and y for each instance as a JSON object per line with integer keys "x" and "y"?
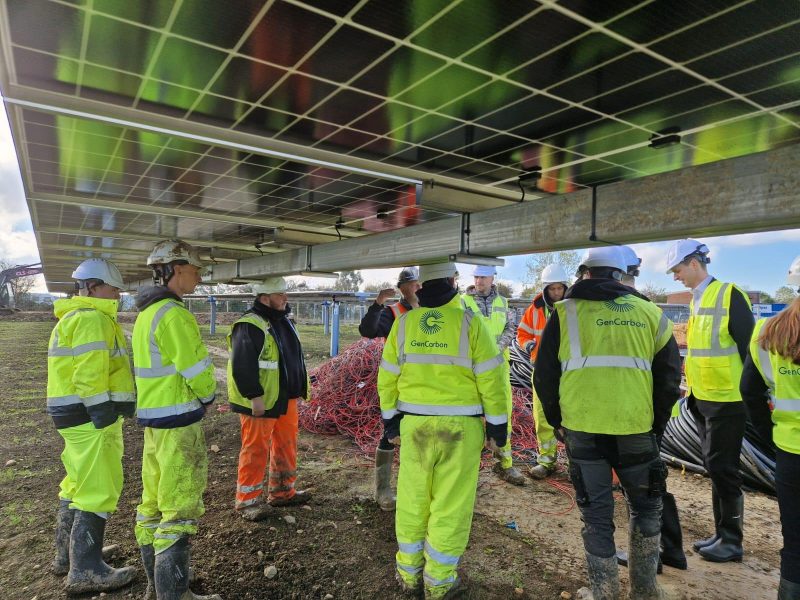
{"x": 609, "y": 257}
{"x": 443, "y": 270}
{"x": 793, "y": 278}
{"x": 683, "y": 249}
{"x": 99, "y": 268}
{"x": 554, "y": 273}
{"x": 168, "y": 251}
{"x": 632, "y": 261}
{"x": 484, "y": 271}
{"x": 271, "y": 285}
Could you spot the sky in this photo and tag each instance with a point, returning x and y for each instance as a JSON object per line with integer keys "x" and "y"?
{"x": 757, "y": 261}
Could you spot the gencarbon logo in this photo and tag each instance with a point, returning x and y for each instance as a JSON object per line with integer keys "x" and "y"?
{"x": 431, "y": 322}
{"x": 618, "y": 306}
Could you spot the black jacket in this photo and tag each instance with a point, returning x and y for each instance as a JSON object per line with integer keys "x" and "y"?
{"x": 379, "y": 320}
{"x": 755, "y": 394}
{"x": 666, "y": 364}
{"x": 247, "y": 342}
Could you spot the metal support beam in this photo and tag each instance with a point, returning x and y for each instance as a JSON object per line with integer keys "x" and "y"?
{"x": 759, "y": 192}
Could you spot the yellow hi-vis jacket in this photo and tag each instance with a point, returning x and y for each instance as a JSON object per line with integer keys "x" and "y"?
{"x": 606, "y": 353}
{"x": 88, "y": 373}
{"x": 713, "y": 365}
{"x": 782, "y": 377}
{"x": 497, "y": 317}
{"x": 442, "y": 361}
{"x": 268, "y": 366}
{"x": 174, "y": 373}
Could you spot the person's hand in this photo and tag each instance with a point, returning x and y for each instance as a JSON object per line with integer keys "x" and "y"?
{"x": 497, "y": 435}
{"x": 391, "y": 427}
{"x": 384, "y": 295}
{"x": 258, "y": 406}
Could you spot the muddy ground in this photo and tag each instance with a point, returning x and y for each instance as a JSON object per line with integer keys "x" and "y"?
{"x": 341, "y": 545}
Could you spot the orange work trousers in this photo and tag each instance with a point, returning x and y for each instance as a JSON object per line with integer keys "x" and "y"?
{"x": 267, "y": 441}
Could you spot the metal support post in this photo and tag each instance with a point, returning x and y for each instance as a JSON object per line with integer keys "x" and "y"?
{"x": 326, "y": 323}
{"x": 335, "y": 328}
{"x": 213, "y": 325}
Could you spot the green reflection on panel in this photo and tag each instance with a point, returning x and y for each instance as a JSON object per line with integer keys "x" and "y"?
{"x": 87, "y": 152}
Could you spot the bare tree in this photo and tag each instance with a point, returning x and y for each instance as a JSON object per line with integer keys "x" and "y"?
{"x": 785, "y": 295}
{"x": 504, "y": 289}
{"x": 569, "y": 259}
{"x": 377, "y": 287}
{"x": 349, "y": 281}
{"x": 20, "y": 287}
{"x": 655, "y": 292}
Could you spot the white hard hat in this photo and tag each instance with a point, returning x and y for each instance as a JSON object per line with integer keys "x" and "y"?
{"x": 604, "y": 256}
{"x": 484, "y": 271}
{"x": 683, "y": 249}
{"x": 271, "y": 285}
{"x": 442, "y": 270}
{"x": 99, "y": 268}
{"x": 407, "y": 275}
{"x": 632, "y": 261}
{"x": 554, "y": 273}
{"x": 168, "y": 251}
{"x": 793, "y": 278}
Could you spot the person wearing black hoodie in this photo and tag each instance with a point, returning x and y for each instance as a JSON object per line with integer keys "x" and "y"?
{"x": 266, "y": 379}
{"x": 607, "y": 375}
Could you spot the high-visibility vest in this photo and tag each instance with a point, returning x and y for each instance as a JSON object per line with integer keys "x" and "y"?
{"x": 398, "y": 308}
{"x": 713, "y": 365}
{"x": 442, "y": 361}
{"x": 87, "y": 362}
{"x": 268, "y": 366}
{"x": 174, "y": 373}
{"x": 606, "y": 354}
{"x": 531, "y": 326}
{"x": 497, "y": 317}
{"x": 782, "y": 377}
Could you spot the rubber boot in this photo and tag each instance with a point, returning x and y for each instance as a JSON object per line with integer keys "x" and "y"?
{"x": 172, "y": 573}
{"x": 672, "y": 553}
{"x": 88, "y": 572}
{"x": 788, "y": 590}
{"x": 64, "y": 520}
{"x": 715, "y": 504}
{"x": 603, "y": 577}
{"x": 729, "y": 545}
{"x": 149, "y": 563}
{"x": 384, "y": 495}
{"x": 642, "y": 564}
{"x": 622, "y": 561}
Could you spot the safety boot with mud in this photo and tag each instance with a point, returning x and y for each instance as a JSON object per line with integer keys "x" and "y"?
{"x": 728, "y": 548}
{"x": 149, "y": 564}
{"x": 256, "y": 512}
{"x": 642, "y": 563}
{"x": 454, "y": 591}
{"x": 409, "y": 590}
{"x": 542, "y": 471}
{"x": 603, "y": 577}
{"x": 384, "y": 495}
{"x": 172, "y": 575}
{"x": 512, "y": 474}
{"x": 64, "y": 520}
{"x": 88, "y": 572}
{"x": 300, "y": 497}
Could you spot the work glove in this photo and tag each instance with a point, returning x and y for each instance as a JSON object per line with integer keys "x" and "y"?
{"x": 497, "y": 433}
{"x": 391, "y": 429}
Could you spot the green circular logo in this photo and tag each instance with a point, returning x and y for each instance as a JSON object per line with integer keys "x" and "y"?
{"x": 618, "y": 306}
{"x": 431, "y": 322}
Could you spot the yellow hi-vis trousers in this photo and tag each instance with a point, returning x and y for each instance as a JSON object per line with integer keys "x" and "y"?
{"x": 545, "y": 435}
{"x": 174, "y": 475}
{"x": 93, "y": 460}
{"x": 439, "y": 461}
{"x": 504, "y": 453}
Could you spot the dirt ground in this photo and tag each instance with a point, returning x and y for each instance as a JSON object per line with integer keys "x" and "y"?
{"x": 340, "y": 546}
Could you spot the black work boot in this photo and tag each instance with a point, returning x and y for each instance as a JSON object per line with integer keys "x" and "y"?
{"x": 172, "y": 573}
{"x": 88, "y": 572}
{"x": 672, "y": 553}
{"x": 729, "y": 545}
{"x": 149, "y": 562}
{"x": 715, "y": 504}
{"x": 384, "y": 495}
{"x": 64, "y": 519}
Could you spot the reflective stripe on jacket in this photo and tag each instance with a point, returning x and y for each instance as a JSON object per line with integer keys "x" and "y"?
{"x": 442, "y": 361}
{"x": 606, "y": 352}
{"x": 174, "y": 373}
{"x": 531, "y": 326}
{"x": 88, "y": 373}
{"x": 268, "y": 366}
{"x": 782, "y": 377}
{"x": 398, "y": 309}
{"x": 713, "y": 364}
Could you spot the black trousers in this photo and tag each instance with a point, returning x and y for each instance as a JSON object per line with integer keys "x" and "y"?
{"x": 721, "y": 427}
{"x": 787, "y": 484}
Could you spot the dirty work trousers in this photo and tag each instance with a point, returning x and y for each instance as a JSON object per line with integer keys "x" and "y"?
{"x": 545, "y": 435}
{"x": 504, "y": 453}
{"x": 174, "y": 475}
{"x": 787, "y": 484}
{"x": 439, "y": 461}
{"x": 636, "y": 460}
{"x": 267, "y": 441}
{"x": 93, "y": 461}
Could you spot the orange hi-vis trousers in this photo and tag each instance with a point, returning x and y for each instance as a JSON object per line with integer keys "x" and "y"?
{"x": 272, "y": 441}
